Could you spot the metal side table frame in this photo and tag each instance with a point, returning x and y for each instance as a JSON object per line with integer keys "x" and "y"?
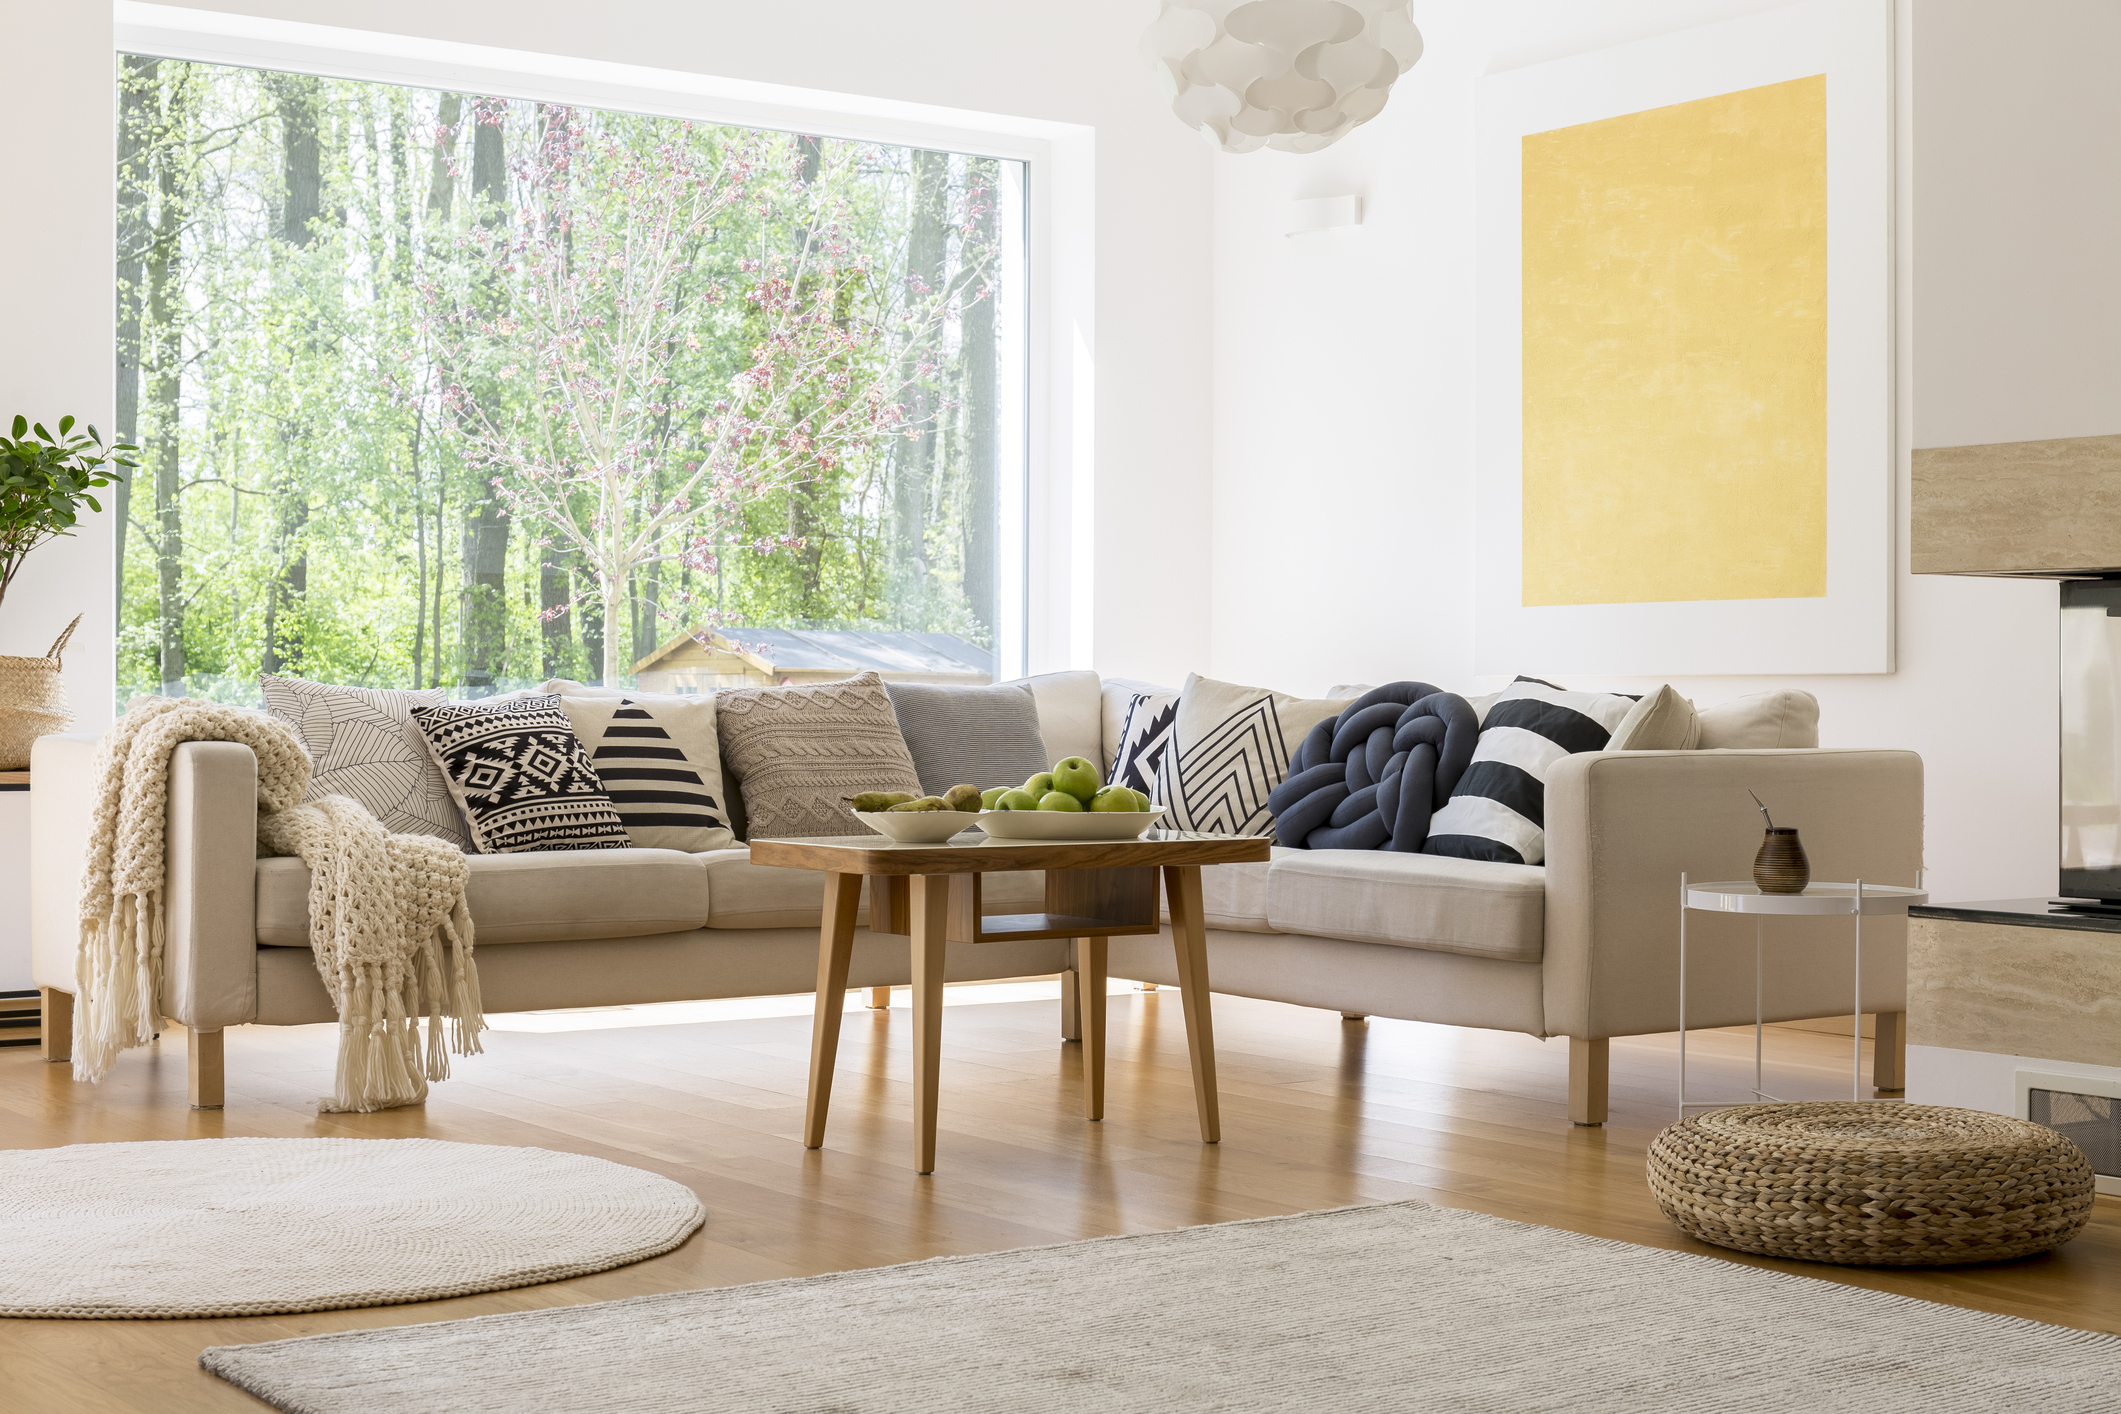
{"x": 1828, "y": 900}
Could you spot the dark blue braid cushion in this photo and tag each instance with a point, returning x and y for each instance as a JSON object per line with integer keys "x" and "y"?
{"x": 1371, "y": 777}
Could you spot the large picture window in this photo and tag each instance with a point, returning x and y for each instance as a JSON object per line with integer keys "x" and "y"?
{"x": 439, "y": 388}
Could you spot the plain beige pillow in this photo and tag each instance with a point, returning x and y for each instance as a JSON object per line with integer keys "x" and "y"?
{"x": 1784, "y": 718}
{"x": 1660, "y": 721}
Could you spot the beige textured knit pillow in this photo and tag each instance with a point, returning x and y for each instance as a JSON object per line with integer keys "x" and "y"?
{"x": 798, "y": 752}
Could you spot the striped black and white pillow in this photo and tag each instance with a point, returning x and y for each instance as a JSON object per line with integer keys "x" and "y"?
{"x": 1498, "y": 811}
{"x": 659, "y": 760}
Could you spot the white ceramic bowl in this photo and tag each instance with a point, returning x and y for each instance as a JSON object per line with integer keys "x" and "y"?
{"x": 917, "y": 826}
{"x": 1068, "y": 824}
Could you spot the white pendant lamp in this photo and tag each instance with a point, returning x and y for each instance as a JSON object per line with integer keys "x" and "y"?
{"x": 1289, "y": 74}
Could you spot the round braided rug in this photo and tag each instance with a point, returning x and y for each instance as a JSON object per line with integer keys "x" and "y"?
{"x": 1871, "y": 1184}
{"x": 249, "y": 1227}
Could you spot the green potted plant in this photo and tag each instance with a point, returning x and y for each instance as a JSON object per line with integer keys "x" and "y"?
{"x": 44, "y": 483}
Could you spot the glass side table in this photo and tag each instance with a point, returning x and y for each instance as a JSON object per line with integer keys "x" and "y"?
{"x": 1855, "y": 901}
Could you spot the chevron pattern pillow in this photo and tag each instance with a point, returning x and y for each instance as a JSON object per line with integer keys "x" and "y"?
{"x": 1498, "y": 811}
{"x": 1230, "y": 747}
{"x": 1144, "y": 736}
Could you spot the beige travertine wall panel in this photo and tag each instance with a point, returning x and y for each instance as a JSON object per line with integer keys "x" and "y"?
{"x": 2049, "y": 507}
{"x": 2054, "y": 993}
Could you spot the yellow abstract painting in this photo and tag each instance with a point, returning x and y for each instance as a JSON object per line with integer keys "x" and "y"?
{"x": 1674, "y": 284}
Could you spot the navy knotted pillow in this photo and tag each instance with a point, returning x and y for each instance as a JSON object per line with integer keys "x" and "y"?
{"x": 1371, "y": 777}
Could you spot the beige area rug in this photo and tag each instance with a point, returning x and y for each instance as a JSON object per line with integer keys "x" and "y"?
{"x": 1399, "y": 1307}
{"x": 249, "y": 1227}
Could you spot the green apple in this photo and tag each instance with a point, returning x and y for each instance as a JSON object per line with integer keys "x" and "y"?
{"x": 1120, "y": 799}
{"x": 1060, "y": 800}
{"x": 988, "y": 797}
{"x": 1076, "y": 776}
{"x": 1016, "y": 800}
{"x": 1040, "y": 783}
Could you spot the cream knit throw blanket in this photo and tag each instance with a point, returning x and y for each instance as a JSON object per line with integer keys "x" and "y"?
{"x": 383, "y": 908}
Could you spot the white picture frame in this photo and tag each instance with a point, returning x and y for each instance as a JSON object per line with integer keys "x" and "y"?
{"x": 1850, "y": 628}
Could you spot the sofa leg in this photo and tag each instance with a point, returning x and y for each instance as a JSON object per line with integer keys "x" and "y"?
{"x": 58, "y": 1024}
{"x": 1889, "y": 1051}
{"x": 202, "y": 1069}
{"x": 1587, "y": 1080}
{"x": 1355, "y": 1016}
{"x": 1071, "y": 1005}
{"x": 879, "y": 999}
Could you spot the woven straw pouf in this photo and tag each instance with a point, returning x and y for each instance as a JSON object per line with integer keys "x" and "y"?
{"x": 1890, "y": 1185}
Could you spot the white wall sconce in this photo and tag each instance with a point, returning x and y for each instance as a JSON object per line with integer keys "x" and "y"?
{"x": 1308, "y": 215}
{"x": 1296, "y": 75}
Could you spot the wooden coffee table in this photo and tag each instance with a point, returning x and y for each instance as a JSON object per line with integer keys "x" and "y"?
{"x": 931, "y": 893}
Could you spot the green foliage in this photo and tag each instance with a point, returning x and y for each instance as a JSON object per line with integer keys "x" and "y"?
{"x": 356, "y": 464}
{"x": 44, "y": 482}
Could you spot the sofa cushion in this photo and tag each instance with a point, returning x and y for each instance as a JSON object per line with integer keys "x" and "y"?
{"x": 1787, "y": 717}
{"x": 741, "y": 894}
{"x": 1472, "y": 906}
{"x": 530, "y": 897}
{"x": 1233, "y": 897}
{"x": 1070, "y": 714}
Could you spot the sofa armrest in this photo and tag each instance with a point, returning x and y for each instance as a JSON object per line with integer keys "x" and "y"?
{"x": 1622, "y": 826}
{"x": 210, "y": 948}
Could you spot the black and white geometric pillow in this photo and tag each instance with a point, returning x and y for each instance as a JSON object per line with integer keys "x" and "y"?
{"x": 1230, "y": 747}
{"x": 1498, "y": 811}
{"x": 657, "y": 757}
{"x": 520, "y": 774}
{"x": 1151, "y": 722}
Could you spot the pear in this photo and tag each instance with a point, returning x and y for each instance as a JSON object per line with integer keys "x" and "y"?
{"x": 870, "y": 801}
{"x": 1060, "y": 800}
{"x": 926, "y": 802}
{"x": 963, "y": 797}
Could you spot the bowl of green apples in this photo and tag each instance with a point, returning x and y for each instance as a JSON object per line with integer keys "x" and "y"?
{"x": 1069, "y": 802}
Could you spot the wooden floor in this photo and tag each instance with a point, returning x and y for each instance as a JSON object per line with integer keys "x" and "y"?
{"x": 1316, "y": 1113}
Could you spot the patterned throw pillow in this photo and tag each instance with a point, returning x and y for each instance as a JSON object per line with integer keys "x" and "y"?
{"x": 363, "y": 743}
{"x": 1498, "y": 811}
{"x": 1230, "y": 748}
{"x": 519, "y": 772}
{"x": 659, "y": 760}
{"x": 799, "y": 752}
{"x": 1143, "y": 738}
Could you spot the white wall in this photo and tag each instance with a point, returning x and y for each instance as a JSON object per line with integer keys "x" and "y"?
{"x": 1073, "y": 64}
{"x": 1344, "y": 394}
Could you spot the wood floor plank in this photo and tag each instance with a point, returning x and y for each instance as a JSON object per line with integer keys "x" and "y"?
{"x": 1316, "y": 1113}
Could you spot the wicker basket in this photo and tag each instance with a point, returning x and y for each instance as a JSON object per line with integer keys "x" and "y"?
{"x": 32, "y": 702}
{"x": 1877, "y": 1184}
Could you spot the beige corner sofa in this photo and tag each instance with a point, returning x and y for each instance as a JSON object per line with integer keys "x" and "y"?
{"x": 1585, "y": 946}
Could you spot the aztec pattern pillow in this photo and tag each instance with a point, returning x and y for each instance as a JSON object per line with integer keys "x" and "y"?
{"x": 1144, "y": 737}
{"x": 519, "y": 772}
{"x": 1230, "y": 748}
{"x": 799, "y": 752}
{"x": 659, "y": 760}
{"x": 1498, "y": 811}
{"x": 363, "y": 743}
{"x": 981, "y": 736}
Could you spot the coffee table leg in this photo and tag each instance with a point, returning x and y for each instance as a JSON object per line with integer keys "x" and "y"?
{"x": 835, "y": 948}
{"x": 1190, "y": 943}
{"x": 1090, "y": 998}
{"x": 931, "y": 910}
